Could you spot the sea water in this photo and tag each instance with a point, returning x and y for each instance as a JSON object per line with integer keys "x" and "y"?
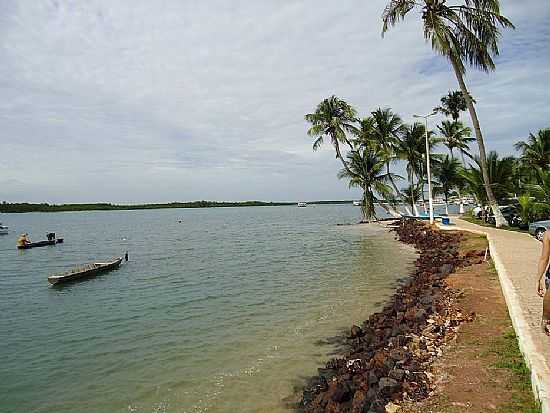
{"x": 218, "y": 310}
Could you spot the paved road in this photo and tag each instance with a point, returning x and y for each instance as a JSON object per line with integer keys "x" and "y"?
{"x": 516, "y": 257}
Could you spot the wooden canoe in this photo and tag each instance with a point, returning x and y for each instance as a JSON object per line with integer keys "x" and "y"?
{"x": 90, "y": 270}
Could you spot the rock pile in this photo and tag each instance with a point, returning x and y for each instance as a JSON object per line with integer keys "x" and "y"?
{"x": 390, "y": 354}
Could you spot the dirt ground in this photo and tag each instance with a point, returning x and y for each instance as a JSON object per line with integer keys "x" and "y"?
{"x": 481, "y": 370}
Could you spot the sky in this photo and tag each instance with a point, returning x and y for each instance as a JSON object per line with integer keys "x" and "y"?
{"x": 159, "y": 101}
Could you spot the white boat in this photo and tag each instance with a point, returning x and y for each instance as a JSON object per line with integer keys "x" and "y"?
{"x": 357, "y": 203}
{"x": 302, "y": 204}
{"x": 3, "y": 229}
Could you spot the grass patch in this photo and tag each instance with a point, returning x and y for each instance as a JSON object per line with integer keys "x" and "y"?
{"x": 509, "y": 357}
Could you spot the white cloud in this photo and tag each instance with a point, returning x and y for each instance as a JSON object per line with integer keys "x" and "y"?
{"x": 158, "y": 101}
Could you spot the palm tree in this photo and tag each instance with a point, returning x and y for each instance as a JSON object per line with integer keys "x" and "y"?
{"x": 501, "y": 173}
{"x": 366, "y": 171}
{"x": 412, "y": 149}
{"x": 333, "y": 118}
{"x": 456, "y": 136}
{"x": 541, "y": 191}
{"x": 412, "y": 194}
{"x": 536, "y": 151}
{"x": 447, "y": 174}
{"x": 466, "y": 34}
{"x": 452, "y": 104}
{"x": 387, "y": 128}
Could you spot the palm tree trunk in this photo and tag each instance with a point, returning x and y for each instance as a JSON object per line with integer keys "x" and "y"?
{"x": 461, "y": 207}
{"x": 339, "y": 156}
{"x": 391, "y": 179}
{"x": 500, "y": 221}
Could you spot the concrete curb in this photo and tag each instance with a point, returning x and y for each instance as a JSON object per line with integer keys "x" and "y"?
{"x": 540, "y": 373}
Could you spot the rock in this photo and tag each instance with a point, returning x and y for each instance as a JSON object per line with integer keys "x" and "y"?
{"x": 339, "y": 391}
{"x": 360, "y": 403}
{"x": 397, "y": 374}
{"x": 392, "y": 407}
{"x": 356, "y": 332}
{"x": 388, "y": 386}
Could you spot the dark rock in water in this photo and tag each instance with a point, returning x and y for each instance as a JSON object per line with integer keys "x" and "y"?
{"x": 356, "y": 332}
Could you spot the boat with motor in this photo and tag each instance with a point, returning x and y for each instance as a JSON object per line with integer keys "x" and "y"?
{"x": 302, "y": 204}
{"x": 24, "y": 243}
{"x": 88, "y": 271}
{"x": 3, "y": 229}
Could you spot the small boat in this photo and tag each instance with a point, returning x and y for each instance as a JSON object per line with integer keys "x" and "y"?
{"x": 302, "y": 204}
{"x": 50, "y": 241}
{"x": 90, "y": 270}
{"x": 357, "y": 203}
{"x": 3, "y": 229}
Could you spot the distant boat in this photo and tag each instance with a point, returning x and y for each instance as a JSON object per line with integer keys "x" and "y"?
{"x": 302, "y": 204}
{"x": 3, "y": 229}
{"x": 357, "y": 203}
{"x": 25, "y": 245}
{"x": 88, "y": 271}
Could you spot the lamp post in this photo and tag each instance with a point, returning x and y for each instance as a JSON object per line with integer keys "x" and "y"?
{"x": 428, "y": 165}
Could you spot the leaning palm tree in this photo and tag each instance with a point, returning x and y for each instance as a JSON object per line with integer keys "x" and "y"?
{"x": 366, "y": 171}
{"x": 452, "y": 104}
{"x": 447, "y": 175}
{"x": 466, "y": 34}
{"x": 536, "y": 151}
{"x": 454, "y": 135}
{"x": 333, "y": 118}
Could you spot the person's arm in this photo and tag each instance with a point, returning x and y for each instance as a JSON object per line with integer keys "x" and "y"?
{"x": 543, "y": 262}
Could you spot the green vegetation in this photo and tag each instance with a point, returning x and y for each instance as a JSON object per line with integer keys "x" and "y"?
{"x": 25, "y": 207}
{"x": 509, "y": 357}
{"x": 467, "y": 34}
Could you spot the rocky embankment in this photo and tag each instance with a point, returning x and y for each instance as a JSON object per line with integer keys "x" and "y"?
{"x": 390, "y": 355}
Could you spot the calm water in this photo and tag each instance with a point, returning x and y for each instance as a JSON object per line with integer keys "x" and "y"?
{"x": 227, "y": 311}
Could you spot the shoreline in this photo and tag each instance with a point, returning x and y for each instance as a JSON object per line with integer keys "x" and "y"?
{"x": 389, "y": 355}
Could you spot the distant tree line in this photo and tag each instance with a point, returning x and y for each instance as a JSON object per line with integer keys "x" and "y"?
{"x": 7, "y": 207}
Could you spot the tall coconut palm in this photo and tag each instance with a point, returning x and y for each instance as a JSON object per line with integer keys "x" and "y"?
{"x": 333, "y": 118}
{"x": 466, "y": 33}
{"x": 452, "y": 104}
{"x": 536, "y": 151}
{"x": 448, "y": 178}
{"x": 412, "y": 149}
{"x": 454, "y": 135}
{"x": 387, "y": 128}
{"x": 366, "y": 170}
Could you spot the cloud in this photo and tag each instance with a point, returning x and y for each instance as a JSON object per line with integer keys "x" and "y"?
{"x": 160, "y": 101}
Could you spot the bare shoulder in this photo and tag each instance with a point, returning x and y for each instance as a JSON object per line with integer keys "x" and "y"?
{"x": 546, "y": 239}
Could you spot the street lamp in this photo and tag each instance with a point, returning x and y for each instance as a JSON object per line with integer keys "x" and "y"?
{"x": 428, "y": 165}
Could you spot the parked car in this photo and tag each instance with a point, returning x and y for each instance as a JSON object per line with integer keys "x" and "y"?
{"x": 539, "y": 228}
{"x": 510, "y": 213}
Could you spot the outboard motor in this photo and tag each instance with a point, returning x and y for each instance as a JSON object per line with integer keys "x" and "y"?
{"x": 51, "y": 236}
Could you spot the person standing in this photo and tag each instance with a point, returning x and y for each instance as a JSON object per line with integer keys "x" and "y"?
{"x": 543, "y": 285}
